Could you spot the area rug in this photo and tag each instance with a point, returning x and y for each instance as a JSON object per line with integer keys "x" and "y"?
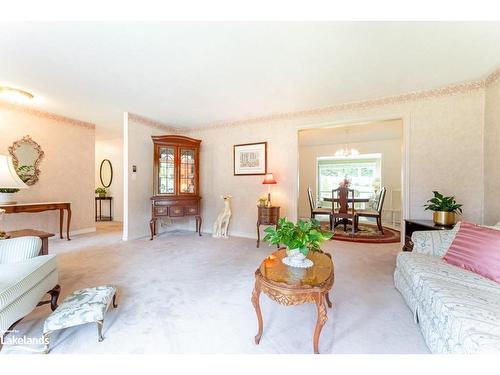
{"x": 367, "y": 233}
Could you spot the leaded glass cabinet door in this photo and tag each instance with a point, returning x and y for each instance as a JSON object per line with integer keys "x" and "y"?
{"x": 166, "y": 170}
{"x": 187, "y": 167}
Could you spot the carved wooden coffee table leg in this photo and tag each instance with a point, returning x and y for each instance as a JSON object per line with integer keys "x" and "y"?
{"x": 256, "y": 305}
{"x": 322, "y": 317}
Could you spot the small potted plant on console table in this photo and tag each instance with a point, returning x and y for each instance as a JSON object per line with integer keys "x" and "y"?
{"x": 445, "y": 209}
{"x": 101, "y": 192}
{"x": 299, "y": 239}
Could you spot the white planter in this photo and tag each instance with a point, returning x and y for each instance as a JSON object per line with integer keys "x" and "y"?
{"x": 7, "y": 198}
{"x": 296, "y": 259}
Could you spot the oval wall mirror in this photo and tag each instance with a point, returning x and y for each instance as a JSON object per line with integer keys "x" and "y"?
{"x": 106, "y": 173}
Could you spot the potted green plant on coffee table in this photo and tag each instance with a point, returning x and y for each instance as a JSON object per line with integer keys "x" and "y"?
{"x": 445, "y": 209}
{"x": 298, "y": 238}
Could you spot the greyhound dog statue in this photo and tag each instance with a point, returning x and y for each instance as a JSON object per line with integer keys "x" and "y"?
{"x": 222, "y": 222}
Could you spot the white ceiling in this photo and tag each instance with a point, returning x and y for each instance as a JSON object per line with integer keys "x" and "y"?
{"x": 193, "y": 74}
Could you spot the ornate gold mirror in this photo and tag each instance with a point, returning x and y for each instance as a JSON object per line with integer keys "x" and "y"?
{"x": 27, "y": 155}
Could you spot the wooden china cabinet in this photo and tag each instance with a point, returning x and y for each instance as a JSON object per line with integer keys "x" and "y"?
{"x": 176, "y": 179}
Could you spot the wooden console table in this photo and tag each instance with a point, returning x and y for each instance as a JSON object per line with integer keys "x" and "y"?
{"x": 44, "y": 236}
{"x": 40, "y": 207}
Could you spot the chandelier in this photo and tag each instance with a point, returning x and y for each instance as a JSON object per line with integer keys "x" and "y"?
{"x": 346, "y": 151}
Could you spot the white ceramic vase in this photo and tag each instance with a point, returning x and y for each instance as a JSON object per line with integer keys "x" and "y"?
{"x": 296, "y": 259}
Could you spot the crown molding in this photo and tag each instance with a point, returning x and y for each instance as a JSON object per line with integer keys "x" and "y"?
{"x": 461, "y": 88}
{"x": 492, "y": 78}
{"x": 152, "y": 123}
{"x": 28, "y": 110}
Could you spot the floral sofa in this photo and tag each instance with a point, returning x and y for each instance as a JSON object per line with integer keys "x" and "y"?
{"x": 457, "y": 310}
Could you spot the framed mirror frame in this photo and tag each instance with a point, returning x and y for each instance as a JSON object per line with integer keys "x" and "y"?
{"x": 111, "y": 173}
{"x": 12, "y": 151}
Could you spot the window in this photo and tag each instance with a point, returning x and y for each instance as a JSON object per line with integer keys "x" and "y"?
{"x": 362, "y": 170}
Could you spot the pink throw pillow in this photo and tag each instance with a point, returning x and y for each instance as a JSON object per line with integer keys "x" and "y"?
{"x": 477, "y": 249}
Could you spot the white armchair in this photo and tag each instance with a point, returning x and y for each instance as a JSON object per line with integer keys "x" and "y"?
{"x": 24, "y": 279}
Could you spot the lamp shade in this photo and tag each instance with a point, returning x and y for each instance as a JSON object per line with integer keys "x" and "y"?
{"x": 269, "y": 179}
{"x": 8, "y": 176}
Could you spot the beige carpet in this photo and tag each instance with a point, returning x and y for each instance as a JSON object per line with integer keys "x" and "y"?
{"x": 184, "y": 294}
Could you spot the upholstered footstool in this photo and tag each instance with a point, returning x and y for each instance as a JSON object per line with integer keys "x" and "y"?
{"x": 80, "y": 307}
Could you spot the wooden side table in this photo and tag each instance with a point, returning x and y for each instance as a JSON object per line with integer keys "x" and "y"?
{"x": 267, "y": 216}
{"x": 418, "y": 225}
{"x": 100, "y": 217}
{"x": 44, "y": 236}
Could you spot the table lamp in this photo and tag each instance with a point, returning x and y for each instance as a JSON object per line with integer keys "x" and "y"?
{"x": 269, "y": 180}
{"x": 8, "y": 179}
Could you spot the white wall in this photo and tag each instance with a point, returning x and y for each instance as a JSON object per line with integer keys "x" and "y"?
{"x": 391, "y": 151}
{"x": 139, "y": 185}
{"x": 67, "y": 169}
{"x": 445, "y": 153}
{"x": 216, "y": 169}
{"x": 443, "y": 129}
{"x": 111, "y": 149}
{"x": 492, "y": 154}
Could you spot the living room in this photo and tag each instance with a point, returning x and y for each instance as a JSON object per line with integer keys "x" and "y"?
{"x": 137, "y": 158}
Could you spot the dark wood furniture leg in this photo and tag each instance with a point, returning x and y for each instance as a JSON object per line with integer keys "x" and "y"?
{"x": 95, "y": 208}
{"x": 152, "y": 227}
{"x": 256, "y": 305}
{"x": 258, "y": 234}
{"x": 45, "y": 246}
{"x": 322, "y": 318}
{"x": 68, "y": 224}
{"x": 61, "y": 219}
{"x": 54, "y": 296}
{"x": 198, "y": 224}
{"x": 379, "y": 224}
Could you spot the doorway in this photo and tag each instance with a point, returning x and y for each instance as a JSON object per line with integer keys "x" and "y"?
{"x": 369, "y": 155}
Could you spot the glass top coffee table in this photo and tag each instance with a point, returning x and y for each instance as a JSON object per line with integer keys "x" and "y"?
{"x": 294, "y": 286}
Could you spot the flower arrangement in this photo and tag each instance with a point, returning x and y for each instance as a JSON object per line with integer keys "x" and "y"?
{"x": 345, "y": 183}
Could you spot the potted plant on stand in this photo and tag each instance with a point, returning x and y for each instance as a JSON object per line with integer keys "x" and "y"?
{"x": 101, "y": 191}
{"x": 445, "y": 209}
{"x": 298, "y": 238}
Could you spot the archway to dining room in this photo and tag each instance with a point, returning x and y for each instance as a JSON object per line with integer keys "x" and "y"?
{"x": 367, "y": 159}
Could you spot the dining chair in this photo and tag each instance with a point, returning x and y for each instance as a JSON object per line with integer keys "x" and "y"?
{"x": 343, "y": 208}
{"x": 377, "y": 213}
{"x": 318, "y": 210}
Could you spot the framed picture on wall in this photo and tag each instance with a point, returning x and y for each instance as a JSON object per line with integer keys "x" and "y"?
{"x": 250, "y": 159}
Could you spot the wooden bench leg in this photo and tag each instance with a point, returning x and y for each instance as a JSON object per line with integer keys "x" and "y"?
{"x": 54, "y": 296}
